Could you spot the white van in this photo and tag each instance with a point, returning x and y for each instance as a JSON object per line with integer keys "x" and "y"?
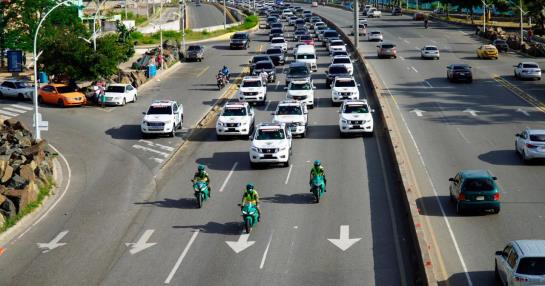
{"x": 306, "y": 54}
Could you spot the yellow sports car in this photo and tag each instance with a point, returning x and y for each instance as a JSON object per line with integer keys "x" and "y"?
{"x": 487, "y": 52}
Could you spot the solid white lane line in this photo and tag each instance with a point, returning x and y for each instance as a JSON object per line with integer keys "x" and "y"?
{"x": 413, "y": 69}
{"x": 158, "y": 160}
{"x": 462, "y": 134}
{"x": 400, "y": 264}
{"x": 181, "y": 258}
{"x": 28, "y": 108}
{"x": 265, "y": 253}
{"x": 405, "y": 40}
{"x": 434, "y": 189}
{"x": 15, "y": 110}
{"x": 288, "y": 176}
{"x": 140, "y": 147}
{"x": 228, "y": 177}
{"x": 8, "y": 113}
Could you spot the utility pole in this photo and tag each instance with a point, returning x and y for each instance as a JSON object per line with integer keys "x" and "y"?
{"x": 182, "y": 23}
{"x": 484, "y": 16}
{"x": 224, "y": 15}
{"x": 356, "y": 26}
{"x": 521, "y": 25}
{"x": 126, "y": 10}
{"x": 161, "y": 35}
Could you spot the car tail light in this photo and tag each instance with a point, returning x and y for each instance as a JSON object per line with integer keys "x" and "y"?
{"x": 521, "y": 279}
{"x": 497, "y": 196}
{"x": 461, "y": 197}
{"x": 531, "y": 145}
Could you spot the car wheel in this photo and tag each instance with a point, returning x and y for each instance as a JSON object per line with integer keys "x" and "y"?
{"x": 459, "y": 210}
{"x": 525, "y": 158}
{"x": 40, "y": 100}
{"x": 20, "y": 96}
{"x": 124, "y": 101}
{"x": 253, "y": 165}
{"x": 220, "y": 137}
{"x": 145, "y": 135}
{"x": 515, "y": 75}
{"x": 311, "y": 106}
{"x": 287, "y": 163}
{"x": 496, "y": 210}
{"x": 470, "y": 80}
{"x": 173, "y": 132}
{"x": 497, "y": 273}
{"x": 60, "y": 103}
{"x": 135, "y": 98}
{"x": 1, "y": 94}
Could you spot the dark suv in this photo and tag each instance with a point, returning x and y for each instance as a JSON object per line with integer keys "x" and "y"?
{"x": 298, "y": 70}
{"x": 334, "y": 71}
{"x": 277, "y": 55}
{"x": 459, "y": 72}
{"x": 266, "y": 66}
{"x": 240, "y": 40}
{"x": 396, "y": 11}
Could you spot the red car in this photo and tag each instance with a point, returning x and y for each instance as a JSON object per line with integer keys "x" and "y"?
{"x": 307, "y": 40}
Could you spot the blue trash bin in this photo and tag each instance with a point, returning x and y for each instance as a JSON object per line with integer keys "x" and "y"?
{"x": 43, "y": 77}
{"x": 152, "y": 71}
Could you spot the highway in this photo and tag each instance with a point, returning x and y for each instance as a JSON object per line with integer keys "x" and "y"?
{"x": 121, "y": 194}
{"x": 448, "y": 127}
{"x": 205, "y": 15}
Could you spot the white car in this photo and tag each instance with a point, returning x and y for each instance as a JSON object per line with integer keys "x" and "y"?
{"x": 279, "y": 42}
{"x": 429, "y": 52}
{"x": 526, "y": 70}
{"x": 336, "y": 45}
{"x": 120, "y": 94}
{"x": 344, "y": 60}
{"x": 374, "y": 13}
{"x": 530, "y": 144}
{"x": 294, "y": 114}
{"x": 16, "y": 88}
{"x": 162, "y": 117}
{"x": 375, "y": 36}
{"x": 291, "y": 20}
{"x": 271, "y": 143}
{"x": 236, "y": 118}
{"x": 302, "y": 90}
{"x": 355, "y": 117}
{"x": 252, "y": 89}
{"x": 363, "y": 22}
{"x": 318, "y": 24}
{"x": 344, "y": 88}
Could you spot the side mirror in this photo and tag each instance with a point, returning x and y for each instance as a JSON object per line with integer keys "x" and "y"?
{"x": 143, "y": 113}
{"x": 372, "y": 111}
{"x": 494, "y": 178}
{"x": 451, "y": 179}
{"x": 517, "y": 135}
{"x": 499, "y": 252}
{"x": 272, "y": 113}
{"x": 285, "y": 88}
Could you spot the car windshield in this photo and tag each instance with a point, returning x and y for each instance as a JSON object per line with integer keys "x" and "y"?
{"x": 265, "y": 66}
{"x": 532, "y": 66}
{"x": 339, "y": 53}
{"x": 274, "y": 134}
{"x": 115, "y": 89}
{"x": 500, "y": 42}
{"x": 276, "y": 31}
{"x": 300, "y": 70}
{"x": 65, "y": 89}
{"x": 289, "y": 110}
{"x": 239, "y": 36}
{"x": 251, "y": 83}
{"x": 331, "y": 34}
{"x": 164, "y": 109}
{"x": 274, "y": 51}
{"x": 386, "y": 46}
{"x": 459, "y": 67}
{"x": 278, "y": 41}
{"x": 260, "y": 58}
{"x": 537, "y": 137}
{"x": 305, "y": 57}
{"x": 353, "y": 108}
{"x": 531, "y": 266}
{"x": 375, "y": 33}
{"x": 305, "y": 38}
{"x": 337, "y": 43}
{"x": 345, "y": 83}
{"x": 341, "y": 61}
{"x": 338, "y": 70}
{"x": 21, "y": 84}
{"x": 300, "y": 86}
{"x": 234, "y": 111}
{"x": 478, "y": 185}
{"x": 194, "y": 48}
{"x": 431, "y": 49}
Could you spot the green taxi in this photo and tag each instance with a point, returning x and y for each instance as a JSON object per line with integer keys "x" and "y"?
{"x": 475, "y": 190}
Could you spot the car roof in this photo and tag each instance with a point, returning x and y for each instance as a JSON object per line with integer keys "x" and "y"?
{"x": 529, "y": 63}
{"x": 251, "y": 78}
{"x": 355, "y": 102}
{"x": 475, "y": 174}
{"x": 290, "y": 102}
{"x": 162, "y": 102}
{"x": 270, "y": 125}
{"x": 236, "y": 104}
{"x": 344, "y": 78}
{"x": 430, "y": 46}
{"x": 57, "y": 84}
{"x": 337, "y": 65}
{"x": 301, "y": 81}
{"x": 341, "y": 57}
{"x": 536, "y": 131}
{"x": 265, "y": 61}
{"x": 118, "y": 84}
{"x": 296, "y": 64}
{"x": 460, "y": 65}
{"x": 278, "y": 38}
{"x": 531, "y": 247}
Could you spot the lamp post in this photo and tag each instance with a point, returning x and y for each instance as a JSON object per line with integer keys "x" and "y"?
{"x": 99, "y": 5}
{"x": 161, "y": 35}
{"x": 224, "y": 15}
{"x": 37, "y": 118}
{"x": 356, "y": 24}
{"x": 484, "y": 15}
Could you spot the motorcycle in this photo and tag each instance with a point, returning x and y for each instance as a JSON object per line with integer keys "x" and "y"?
{"x": 201, "y": 192}
{"x": 317, "y": 186}
{"x": 250, "y": 215}
{"x": 220, "y": 81}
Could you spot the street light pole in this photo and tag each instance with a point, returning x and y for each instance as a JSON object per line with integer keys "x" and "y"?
{"x": 37, "y": 117}
{"x": 126, "y": 9}
{"x": 161, "y": 35}
{"x": 224, "y": 15}
{"x": 356, "y": 24}
{"x": 182, "y": 23}
{"x": 484, "y": 16}
{"x": 99, "y": 5}
{"x": 521, "y": 23}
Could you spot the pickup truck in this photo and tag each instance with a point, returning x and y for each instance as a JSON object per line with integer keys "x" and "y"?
{"x": 374, "y": 13}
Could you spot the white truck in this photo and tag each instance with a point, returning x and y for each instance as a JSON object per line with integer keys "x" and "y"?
{"x": 374, "y": 13}
{"x": 162, "y": 117}
{"x": 252, "y": 89}
{"x": 271, "y": 143}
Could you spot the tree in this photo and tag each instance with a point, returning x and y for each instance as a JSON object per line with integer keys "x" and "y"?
{"x": 536, "y": 10}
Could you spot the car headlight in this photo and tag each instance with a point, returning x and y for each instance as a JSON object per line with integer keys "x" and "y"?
{"x": 144, "y": 122}
{"x": 283, "y": 148}
{"x": 168, "y": 122}
{"x": 219, "y": 124}
{"x": 255, "y": 149}
{"x": 344, "y": 121}
{"x": 335, "y": 93}
{"x": 244, "y": 123}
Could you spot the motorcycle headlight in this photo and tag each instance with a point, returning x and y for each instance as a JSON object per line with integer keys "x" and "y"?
{"x": 252, "y": 213}
{"x": 244, "y": 212}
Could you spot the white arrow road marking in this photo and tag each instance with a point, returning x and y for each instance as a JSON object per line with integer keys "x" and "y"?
{"x": 241, "y": 244}
{"x": 344, "y": 241}
{"x": 418, "y": 112}
{"x": 523, "y": 112}
{"x": 54, "y": 243}
{"x": 142, "y": 242}
{"x": 181, "y": 258}
{"x": 228, "y": 177}
{"x": 471, "y": 111}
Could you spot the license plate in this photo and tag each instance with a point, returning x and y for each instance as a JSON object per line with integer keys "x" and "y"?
{"x": 156, "y": 128}
{"x": 356, "y": 126}
{"x": 268, "y": 156}
{"x": 293, "y": 128}
{"x": 479, "y": 198}
{"x": 231, "y": 129}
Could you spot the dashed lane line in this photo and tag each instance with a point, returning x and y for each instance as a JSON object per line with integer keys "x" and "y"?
{"x": 181, "y": 258}
{"x": 140, "y": 147}
{"x": 228, "y": 177}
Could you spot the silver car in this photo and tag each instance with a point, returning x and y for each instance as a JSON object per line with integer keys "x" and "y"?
{"x": 521, "y": 262}
{"x": 527, "y": 70}
{"x": 429, "y": 52}
{"x": 530, "y": 144}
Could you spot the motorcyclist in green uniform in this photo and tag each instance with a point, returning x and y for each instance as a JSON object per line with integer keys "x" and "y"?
{"x": 251, "y": 196}
{"x": 317, "y": 170}
{"x": 202, "y": 175}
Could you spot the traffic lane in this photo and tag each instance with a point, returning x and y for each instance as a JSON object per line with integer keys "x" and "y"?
{"x": 99, "y": 186}
{"x": 204, "y": 15}
{"x": 222, "y": 160}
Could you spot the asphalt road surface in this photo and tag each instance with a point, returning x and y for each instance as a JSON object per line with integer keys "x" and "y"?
{"x": 204, "y": 15}
{"x": 120, "y": 195}
{"x": 460, "y": 126}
